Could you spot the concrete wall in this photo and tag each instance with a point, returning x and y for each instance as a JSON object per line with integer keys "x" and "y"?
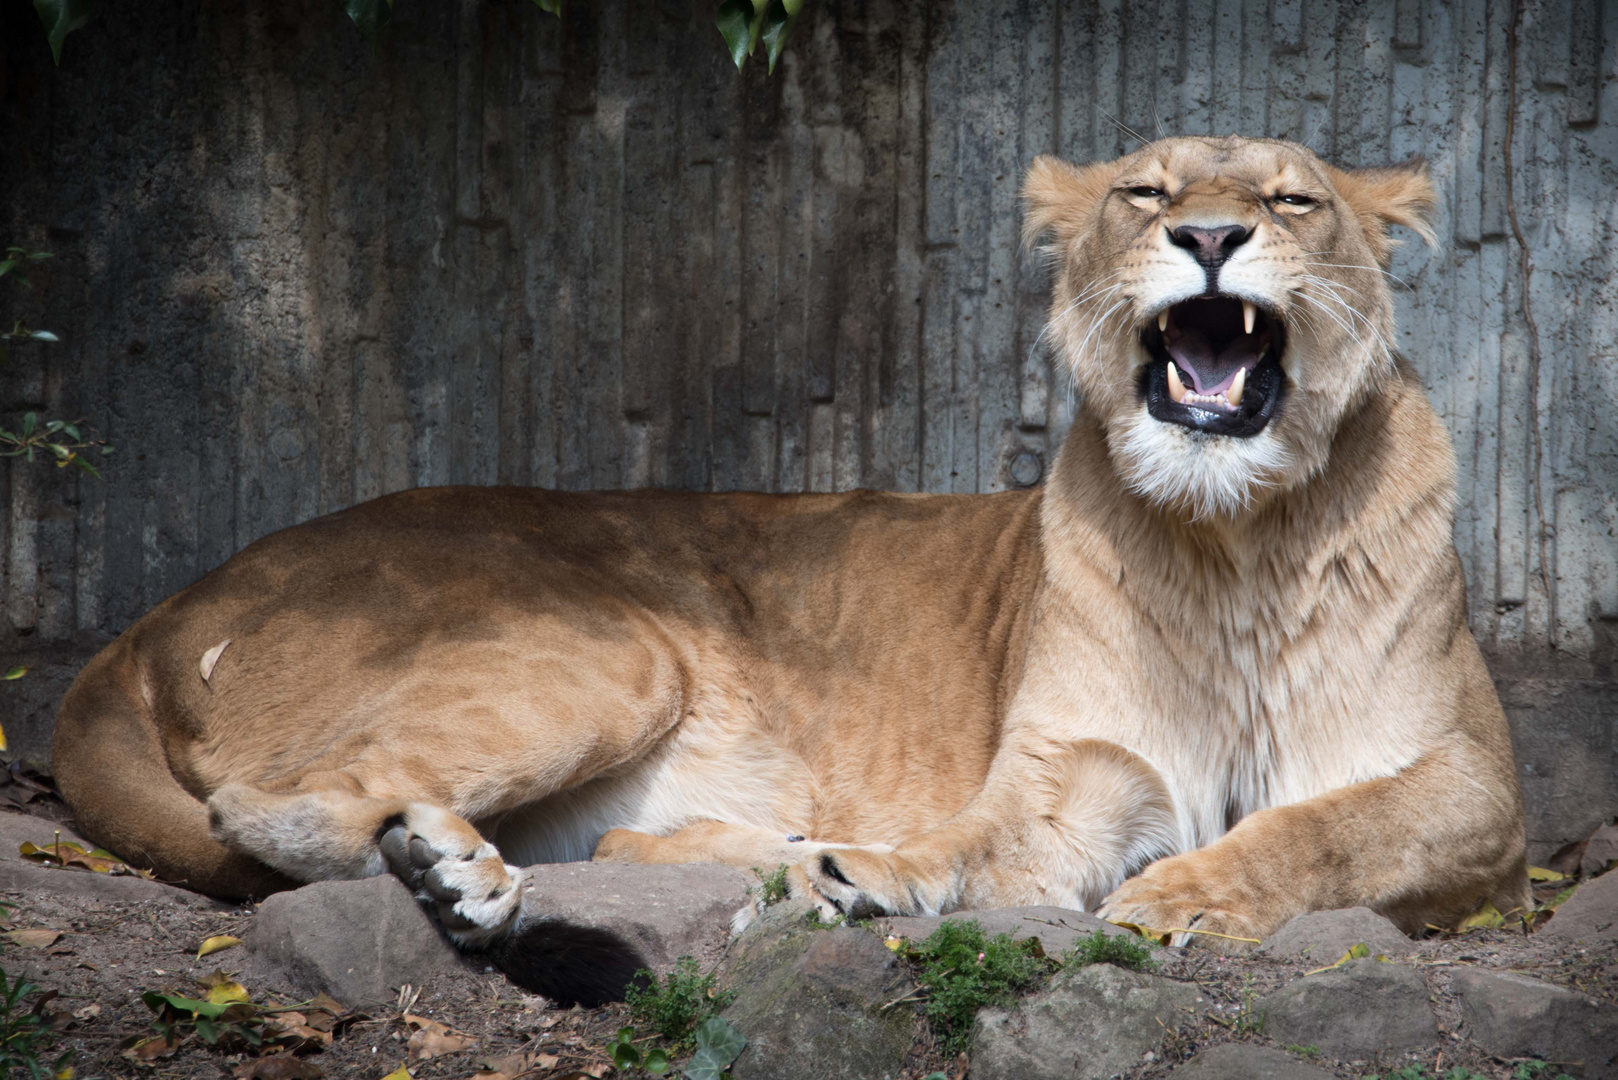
{"x": 294, "y": 274}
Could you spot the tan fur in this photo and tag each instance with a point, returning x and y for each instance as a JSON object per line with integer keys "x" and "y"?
{"x": 1195, "y": 681}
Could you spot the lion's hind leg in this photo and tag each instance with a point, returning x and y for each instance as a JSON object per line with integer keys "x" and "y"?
{"x": 331, "y": 832}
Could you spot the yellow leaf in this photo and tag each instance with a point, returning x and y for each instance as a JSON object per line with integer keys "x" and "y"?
{"x": 894, "y": 944}
{"x": 226, "y": 992}
{"x": 1487, "y": 917}
{"x": 401, "y": 1073}
{"x": 1539, "y": 873}
{"x": 4, "y": 746}
{"x": 217, "y": 943}
{"x": 65, "y": 1073}
{"x": 1160, "y": 936}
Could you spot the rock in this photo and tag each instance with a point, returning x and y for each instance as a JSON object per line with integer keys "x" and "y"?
{"x": 1511, "y": 1015}
{"x": 1057, "y": 928}
{"x": 810, "y": 1001}
{"x": 26, "y": 876}
{"x": 358, "y": 941}
{"x": 1589, "y": 916}
{"x": 1245, "y": 1061}
{"x": 1359, "y": 1010}
{"x": 1318, "y": 938}
{"x": 1088, "y": 1025}
{"x": 658, "y": 912}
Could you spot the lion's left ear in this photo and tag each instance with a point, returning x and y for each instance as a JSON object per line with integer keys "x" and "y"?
{"x": 1396, "y": 195}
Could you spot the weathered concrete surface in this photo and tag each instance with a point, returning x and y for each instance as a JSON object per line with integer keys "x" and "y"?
{"x": 1319, "y": 938}
{"x": 587, "y": 253}
{"x": 1245, "y": 1061}
{"x": 1057, "y": 928}
{"x": 811, "y": 1001}
{"x": 358, "y": 941}
{"x": 1361, "y": 1009}
{"x": 1088, "y": 1025}
{"x": 1511, "y": 1015}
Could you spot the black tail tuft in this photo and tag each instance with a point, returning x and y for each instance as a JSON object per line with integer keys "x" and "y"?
{"x": 570, "y": 964}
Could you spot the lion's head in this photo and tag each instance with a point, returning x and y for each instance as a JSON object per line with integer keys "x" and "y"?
{"x": 1223, "y": 304}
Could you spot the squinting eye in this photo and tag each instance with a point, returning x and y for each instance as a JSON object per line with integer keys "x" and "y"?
{"x": 1295, "y": 200}
{"x": 1144, "y": 192}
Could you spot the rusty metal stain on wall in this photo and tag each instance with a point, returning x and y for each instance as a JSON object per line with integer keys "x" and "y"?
{"x": 294, "y": 274}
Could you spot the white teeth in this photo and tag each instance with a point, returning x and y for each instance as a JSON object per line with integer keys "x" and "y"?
{"x": 1176, "y": 387}
{"x": 1233, "y": 393}
{"x": 1163, "y": 321}
{"x": 1249, "y": 315}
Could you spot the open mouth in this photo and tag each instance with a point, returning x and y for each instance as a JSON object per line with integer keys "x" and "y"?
{"x": 1215, "y": 367}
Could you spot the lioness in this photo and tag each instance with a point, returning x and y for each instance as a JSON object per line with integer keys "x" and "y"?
{"x": 1215, "y": 673}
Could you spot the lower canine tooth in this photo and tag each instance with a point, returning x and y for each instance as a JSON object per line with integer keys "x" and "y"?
{"x": 1163, "y": 321}
{"x": 1176, "y": 387}
{"x": 1249, "y": 315}
{"x": 1233, "y": 393}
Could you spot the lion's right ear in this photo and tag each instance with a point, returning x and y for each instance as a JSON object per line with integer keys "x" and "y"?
{"x": 1058, "y": 198}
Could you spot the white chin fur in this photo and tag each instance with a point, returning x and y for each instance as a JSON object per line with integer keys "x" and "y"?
{"x": 1202, "y": 474}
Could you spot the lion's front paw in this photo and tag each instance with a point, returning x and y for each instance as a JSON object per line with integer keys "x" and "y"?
{"x": 859, "y": 883}
{"x": 475, "y": 892}
{"x": 1182, "y": 898}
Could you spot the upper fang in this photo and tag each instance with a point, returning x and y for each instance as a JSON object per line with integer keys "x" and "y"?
{"x": 1249, "y": 315}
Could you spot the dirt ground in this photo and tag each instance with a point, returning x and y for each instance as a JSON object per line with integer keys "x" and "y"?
{"x": 110, "y": 951}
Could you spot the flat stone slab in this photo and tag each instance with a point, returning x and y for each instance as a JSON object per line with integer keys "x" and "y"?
{"x": 815, "y": 1003}
{"x": 1245, "y": 1061}
{"x": 1057, "y": 928}
{"x": 660, "y": 912}
{"x": 1589, "y": 916}
{"x": 358, "y": 941}
{"x": 23, "y": 875}
{"x": 1512, "y": 1015}
{"x": 1318, "y": 938}
{"x": 1361, "y": 1009}
{"x": 1089, "y": 1024}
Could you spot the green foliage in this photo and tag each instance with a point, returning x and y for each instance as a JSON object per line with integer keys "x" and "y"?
{"x": 1528, "y": 1070}
{"x": 626, "y": 1055}
{"x": 24, "y": 1035}
{"x": 175, "y": 1016}
{"x": 718, "y": 1044}
{"x": 1121, "y": 951}
{"x": 369, "y": 16}
{"x": 1304, "y": 1051}
{"x": 675, "y": 1007}
{"x": 962, "y": 969}
{"x": 772, "y": 887}
{"x": 745, "y": 23}
{"x": 61, "y": 441}
{"x": 60, "y": 18}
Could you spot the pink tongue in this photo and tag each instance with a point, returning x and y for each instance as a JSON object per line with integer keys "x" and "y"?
{"x": 1210, "y": 374}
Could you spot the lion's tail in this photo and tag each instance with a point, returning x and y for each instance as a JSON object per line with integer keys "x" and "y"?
{"x": 111, "y": 768}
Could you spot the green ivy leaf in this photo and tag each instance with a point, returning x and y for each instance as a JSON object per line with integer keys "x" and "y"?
{"x": 779, "y": 20}
{"x": 735, "y": 24}
{"x": 369, "y": 15}
{"x": 552, "y": 6}
{"x": 720, "y": 1040}
{"x": 13, "y": 673}
{"x": 657, "y": 1061}
{"x": 28, "y": 422}
{"x": 623, "y": 1054}
{"x": 60, "y": 18}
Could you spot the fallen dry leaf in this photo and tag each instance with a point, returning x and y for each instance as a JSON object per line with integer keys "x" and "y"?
{"x": 217, "y": 943}
{"x": 150, "y": 1049}
{"x": 431, "y": 1039}
{"x": 515, "y": 1066}
{"x": 65, "y": 853}
{"x": 277, "y": 1067}
{"x": 89, "y": 1012}
{"x": 224, "y": 993}
{"x": 401, "y": 1073}
{"x": 36, "y": 938}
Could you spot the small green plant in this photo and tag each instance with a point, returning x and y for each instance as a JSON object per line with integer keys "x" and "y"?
{"x": 772, "y": 887}
{"x": 24, "y": 1035}
{"x": 1531, "y": 1070}
{"x": 235, "y": 1024}
{"x": 626, "y": 1055}
{"x": 1120, "y": 950}
{"x": 962, "y": 969}
{"x": 717, "y": 1043}
{"x": 1305, "y": 1051}
{"x": 675, "y": 1007}
{"x": 1247, "y": 1021}
{"x": 1535, "y": 1070}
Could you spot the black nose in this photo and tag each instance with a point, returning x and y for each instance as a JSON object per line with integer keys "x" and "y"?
{"x": 1210, "y": 247}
